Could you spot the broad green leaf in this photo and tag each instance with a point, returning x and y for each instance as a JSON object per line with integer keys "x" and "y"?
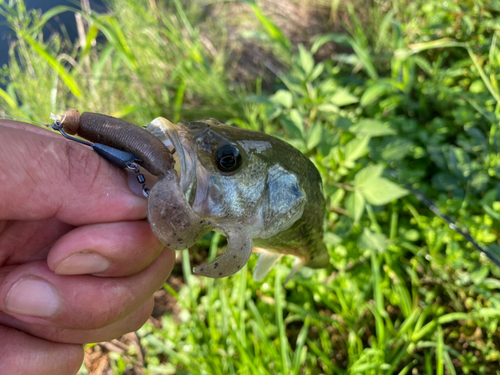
{"x": 320, "y": 40}
{"x": 394, "y": 148}
{"x": 297, "y": 143}
{"x": 479, "y": 182}
{"x": 479, "y": 275}
{"x": 436, "y": 154}
{"x": 372, "y": 241}
{"x": 294, "y": 124}
{"x": 374, "y": 92}
{"x": 297, "y": 119}
{"x": 332, "y": 239}
{"x": 445, "y": 181}
{"x": 491, "y": 283}
{"x": 459, "y": 162}
{"x": 355, "y": 205}
{"x": 318, "y": 69}
{"x": 342, "y": 97}
{"x": 283, "y": 97}
{"x": 314, "y": 135}
{"x": 372, "y": 127}
{"x": 306, "y": 60}
{"x": 328, "y": 108}
{"x": 367, "y": 175}
{"x": 357, "y": 148}
{"x": 380, "y": 191}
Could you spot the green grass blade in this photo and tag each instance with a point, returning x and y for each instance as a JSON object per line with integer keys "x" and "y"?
{"x": 278, "y": 290}
{"x": 271, "y": 29}
{"x": 67, "y": 79}
{"x": 11, "y": 102}
{"x": 439, "y": 352}
{"x": 300, "y": 348}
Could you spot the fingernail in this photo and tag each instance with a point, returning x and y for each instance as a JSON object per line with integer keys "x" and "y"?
{"x": 82, "y": 263}
{"x": 31, "y": 296}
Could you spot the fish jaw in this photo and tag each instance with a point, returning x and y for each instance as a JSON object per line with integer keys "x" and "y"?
{"x": 177, "y": 137}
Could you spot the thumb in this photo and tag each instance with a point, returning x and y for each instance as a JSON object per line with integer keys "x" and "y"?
{"x": 44, "y": 176}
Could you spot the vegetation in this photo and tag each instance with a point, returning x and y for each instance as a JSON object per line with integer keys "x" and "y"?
{"x": 410, "y": 87}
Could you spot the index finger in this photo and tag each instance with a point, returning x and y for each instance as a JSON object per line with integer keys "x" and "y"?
{"x": 43, "y": 176}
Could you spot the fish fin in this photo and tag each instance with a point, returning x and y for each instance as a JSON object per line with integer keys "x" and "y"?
{"x": 299, "y": 263}
{"x": 319, "y": 259}
{"x": 264, "y": 264}
{"x": 239, "y": 249}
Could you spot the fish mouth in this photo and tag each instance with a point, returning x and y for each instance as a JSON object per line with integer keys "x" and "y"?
{"x": 178, "y": 139}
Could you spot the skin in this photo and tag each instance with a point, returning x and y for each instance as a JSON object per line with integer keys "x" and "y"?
{"x": 59, "y": 199}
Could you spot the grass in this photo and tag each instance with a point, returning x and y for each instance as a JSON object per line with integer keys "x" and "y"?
{"x": 410, "y": 87}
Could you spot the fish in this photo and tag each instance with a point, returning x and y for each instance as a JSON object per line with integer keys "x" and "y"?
{"x": 258, "y": 190}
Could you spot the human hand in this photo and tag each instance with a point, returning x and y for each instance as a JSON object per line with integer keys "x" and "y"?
{"x": 78, "y": 263}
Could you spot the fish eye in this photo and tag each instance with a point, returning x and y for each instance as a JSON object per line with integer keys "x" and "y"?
{"x": 228, "y": 158}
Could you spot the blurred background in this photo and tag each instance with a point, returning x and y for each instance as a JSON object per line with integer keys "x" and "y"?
{"x": 363, "y": 88}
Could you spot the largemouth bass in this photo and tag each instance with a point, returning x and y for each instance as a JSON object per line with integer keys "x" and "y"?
{"x": 260, "y": 191}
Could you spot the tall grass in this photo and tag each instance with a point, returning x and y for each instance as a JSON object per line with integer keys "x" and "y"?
{"x": 413, "y": 88}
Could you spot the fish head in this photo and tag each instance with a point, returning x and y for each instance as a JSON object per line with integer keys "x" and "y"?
{"x": 240, "y": 182}
{"x": 232, "y": 175}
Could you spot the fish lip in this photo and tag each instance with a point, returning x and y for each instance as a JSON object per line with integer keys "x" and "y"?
{"x": 178, "y": 136}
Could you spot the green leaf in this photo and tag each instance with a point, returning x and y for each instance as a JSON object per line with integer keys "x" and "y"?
{"x": 342, "y": 97}
{"x": 294, "y": 124}
{"x": 374, "y": 92}
{"x": 306, "y": 60}
{"x": 283, "y": 97}
{"x": 372, "y": 241}
{"x": 381, "y": 191}
{"x": 328, "y": 108}
{"x": 376, "y": 189}
{"x": 445, "y": 182}
{"x": 357, "y": 148}
{"x": 367, "y": 175}
{"x": 394, "y": 148}
{"x": 355, "y": 205}
{"x": 459, "y": 162}
{"x": 373, "y": 128}
{"x": 314, "y": 135}
{"x": 479, "y": 182}
{"x": 318, "y": 69}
